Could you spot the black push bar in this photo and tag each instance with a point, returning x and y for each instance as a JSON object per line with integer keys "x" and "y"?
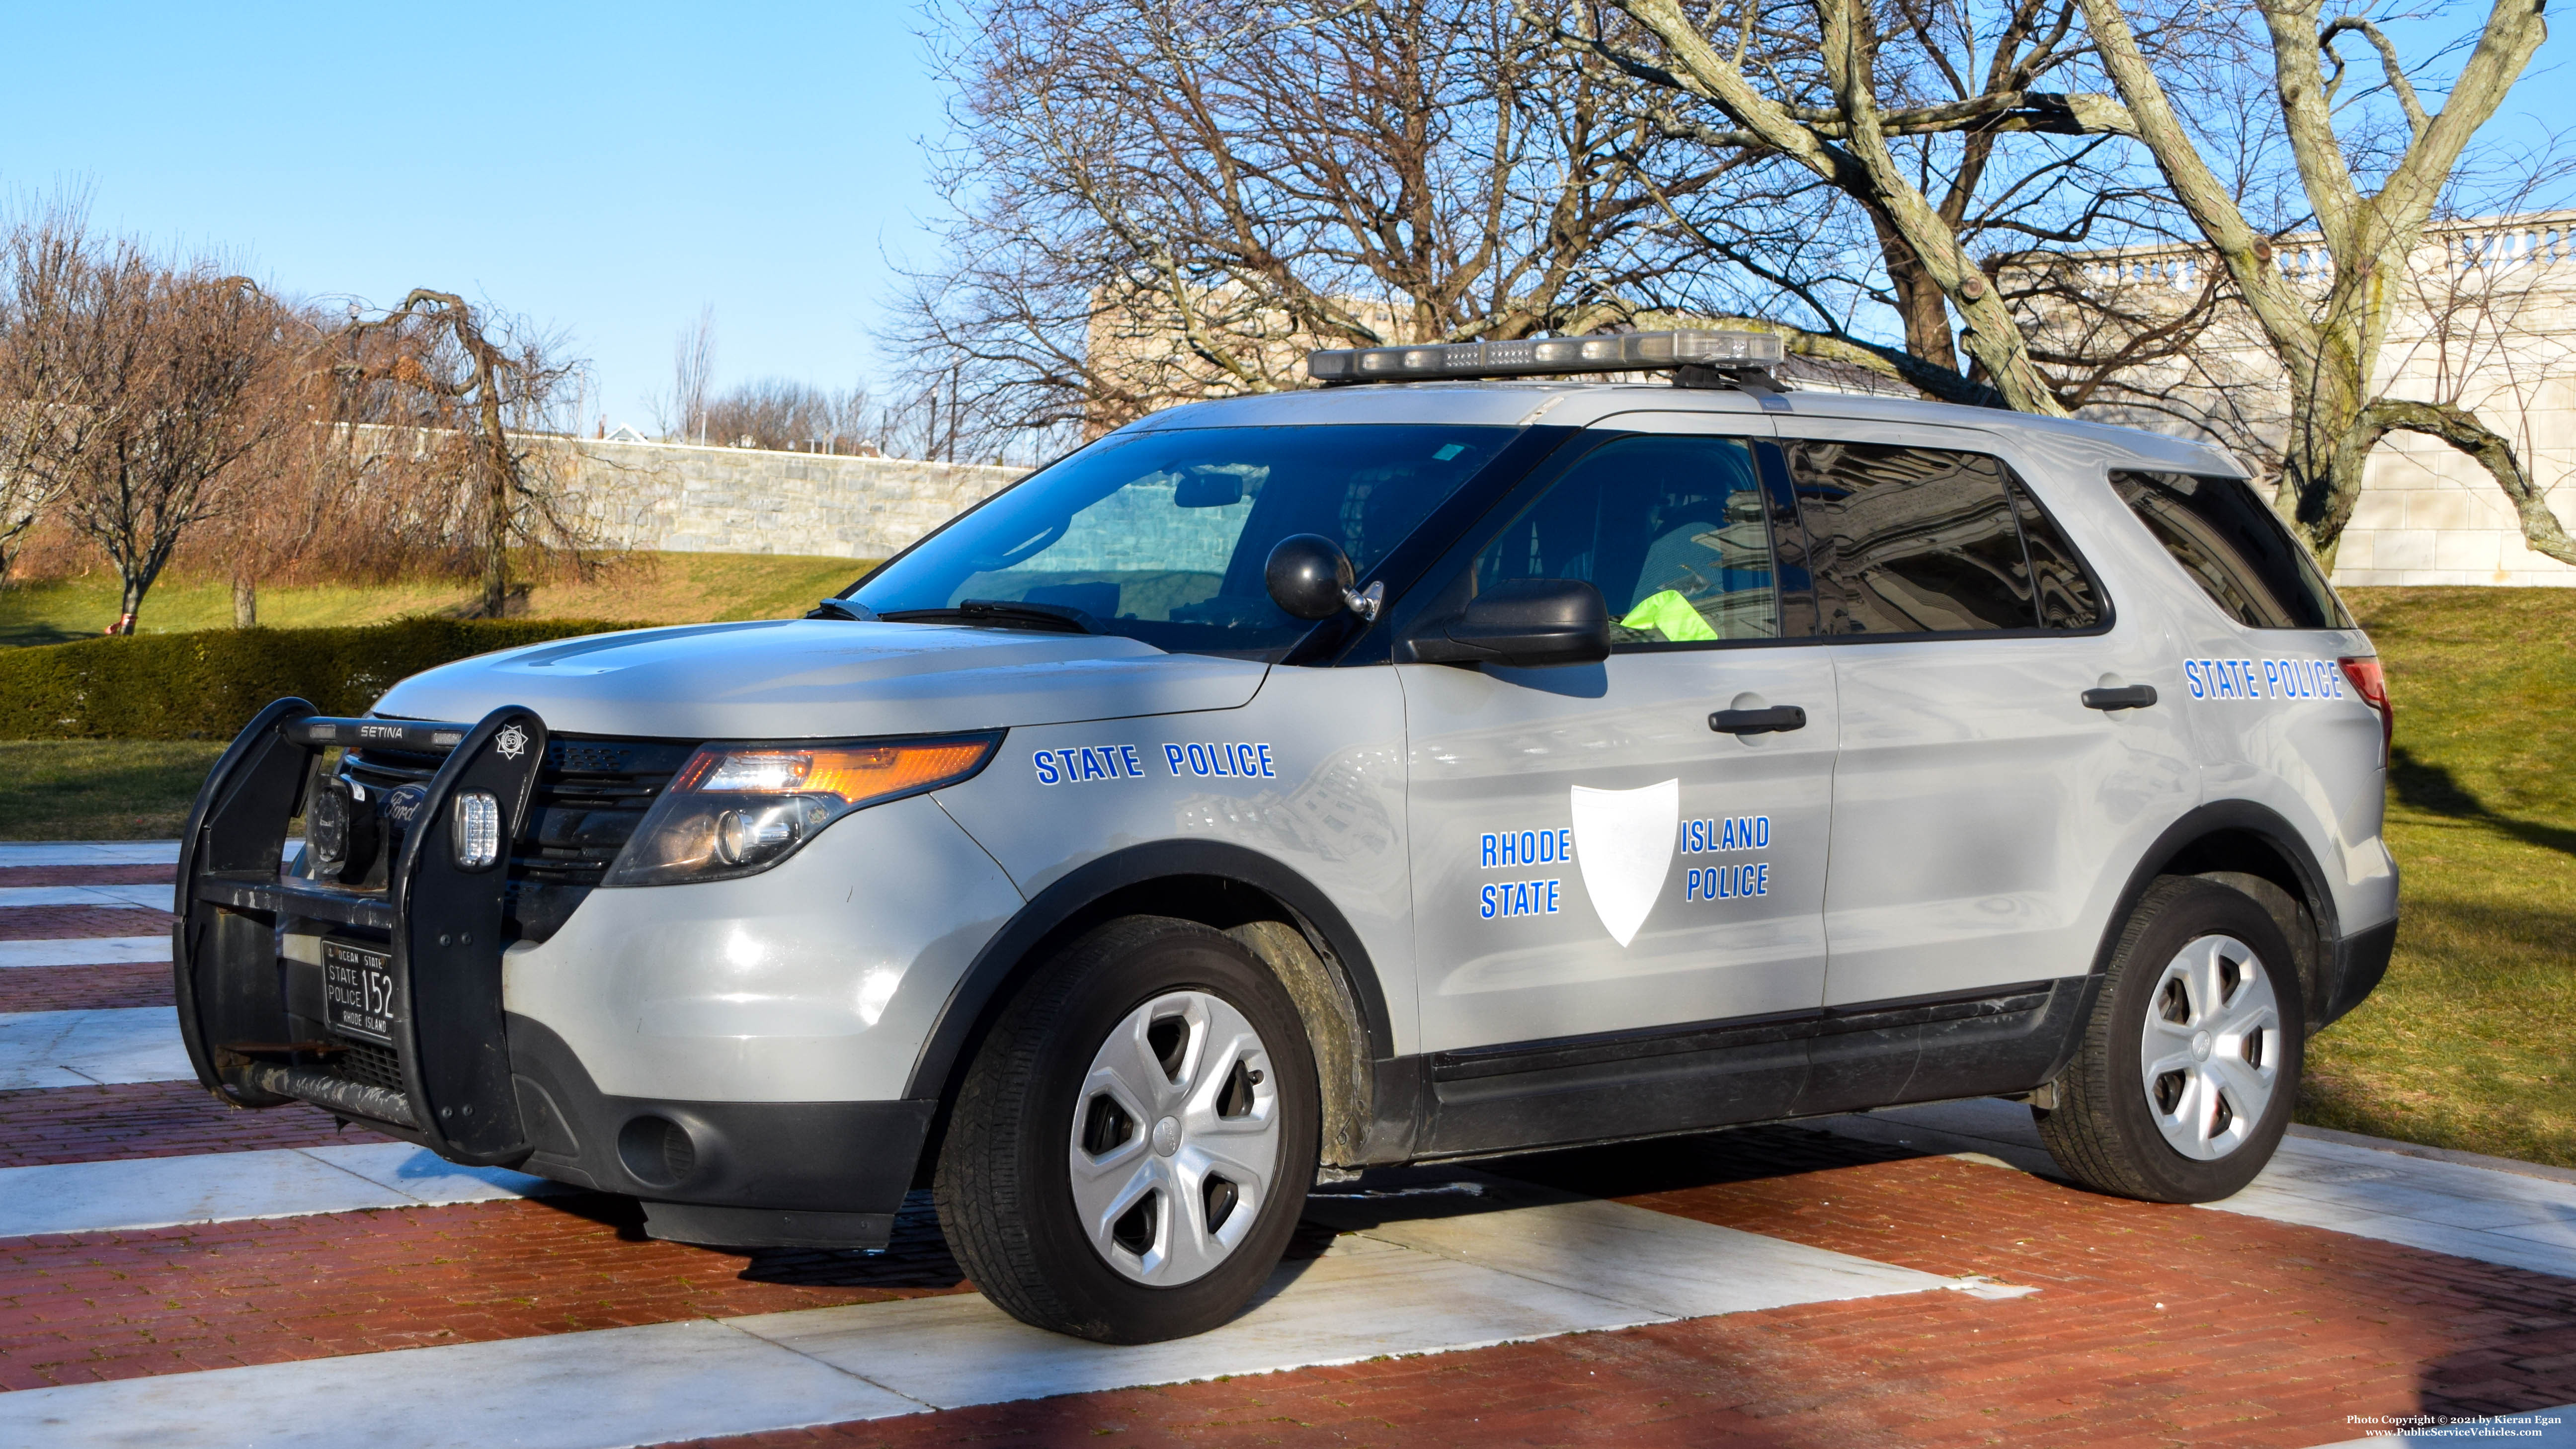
{"x": 252, "y": 1009}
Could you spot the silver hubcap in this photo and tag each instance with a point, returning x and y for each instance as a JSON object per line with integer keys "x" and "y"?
{"x": 2212, "y": 1049}
{"x": 1176, "y": 1138}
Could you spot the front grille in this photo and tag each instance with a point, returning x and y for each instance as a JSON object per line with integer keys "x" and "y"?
{"x": 380, "y": 769}
{"x": 589, "y": 797}
{"x": 372, "y": 1065}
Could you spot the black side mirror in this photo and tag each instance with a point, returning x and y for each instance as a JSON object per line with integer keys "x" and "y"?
{"x": 1309, "y": 576}
{"x": 1525, "y": 623}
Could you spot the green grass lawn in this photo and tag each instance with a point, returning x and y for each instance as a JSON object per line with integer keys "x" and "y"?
{"x": 652, "y": 588}
{"x": 2470, "y": 1043}
{"x": 100, "y": 789}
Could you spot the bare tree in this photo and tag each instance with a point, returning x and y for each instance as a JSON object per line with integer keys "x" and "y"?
{"x": 471, "y": 386}
{"x": 2487, "y": 305}
{"x": 1903, "y": 112}
{"x": 47, "y": 263}
{"x": 178, "y": 364}
{"x": 953, "y": 415}
{"x": 294, "y": 502}
{"x": 682, "y": 415}
{"x": 1156, "y": 200}
{"x": 2326, "y": 325}
{"x": 779, "y": 413}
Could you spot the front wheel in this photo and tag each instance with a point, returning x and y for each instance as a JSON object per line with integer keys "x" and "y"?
{"x": 2190, "y": 1063}
{"x": 1132, "y": 1145}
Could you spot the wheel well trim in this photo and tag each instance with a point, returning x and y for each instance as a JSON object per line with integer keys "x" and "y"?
{"x": 2223, "y": 817}
{"x": 1012, "y": 949}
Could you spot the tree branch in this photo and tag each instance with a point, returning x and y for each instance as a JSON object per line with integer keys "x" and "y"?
{"x": 1866, "y": 170}
{"x": 2416, "y": 120}
{"x": 2461, "y": 429}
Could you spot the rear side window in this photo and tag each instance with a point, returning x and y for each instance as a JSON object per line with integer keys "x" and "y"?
{"x": 1931, "y": 540}
{"x": 2235, "y": 548}
{"x": 2064, "y": 592}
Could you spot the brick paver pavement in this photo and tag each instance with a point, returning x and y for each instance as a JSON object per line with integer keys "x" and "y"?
{"x": 2153, "y": 1326}
{"x": 150, "y": 1119}
{"x": 88, "y": 875}
{"x": 78, "y": 923}
{"x": 94, "y": 1306}
{"x": 79, "y": 988}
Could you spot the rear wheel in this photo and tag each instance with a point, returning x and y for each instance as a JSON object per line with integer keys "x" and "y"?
{"x": 1133, "y": 1143}
{"x": 2190, "y": 1064}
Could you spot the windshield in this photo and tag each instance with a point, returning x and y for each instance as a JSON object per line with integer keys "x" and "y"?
{"x": 1162, "y": 536}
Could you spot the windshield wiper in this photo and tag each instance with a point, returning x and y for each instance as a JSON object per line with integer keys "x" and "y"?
{"x": 1003, "y": 613}
{"x": 839, "y": 608}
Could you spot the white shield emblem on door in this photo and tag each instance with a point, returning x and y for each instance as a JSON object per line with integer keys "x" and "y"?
{"x": 1623, "y": 840}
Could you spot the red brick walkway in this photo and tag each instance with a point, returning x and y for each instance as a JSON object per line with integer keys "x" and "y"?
{"x": 150, "y": 1119}
{"x": 95, "y": 1306}
{"x": 67, "y": 923}
{"x": 87, "y": 875}
{"x": 78, "y": 988}
{"x": 2153, "y": 1326}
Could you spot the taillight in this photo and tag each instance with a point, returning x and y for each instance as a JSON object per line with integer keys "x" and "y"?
{"x": 2372, "y": 686}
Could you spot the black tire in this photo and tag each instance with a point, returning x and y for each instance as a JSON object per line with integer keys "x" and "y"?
{"x": 2106, "y": 1130}
{"x": 1004, "y": 1184}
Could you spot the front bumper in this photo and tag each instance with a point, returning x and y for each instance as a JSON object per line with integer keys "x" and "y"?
{"x": 741, "y": 1174}
{"x": 450, "y": 1067}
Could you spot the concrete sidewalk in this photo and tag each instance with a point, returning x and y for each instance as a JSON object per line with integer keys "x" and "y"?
{"x": 2519, "y": 1214}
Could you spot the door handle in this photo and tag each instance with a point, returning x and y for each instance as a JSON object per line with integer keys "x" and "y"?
{"x": 2132, "y": 696}
{"x": 1775, "y": 720}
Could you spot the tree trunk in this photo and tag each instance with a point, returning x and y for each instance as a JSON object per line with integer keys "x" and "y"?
{"x": 496, "y": 511}
{"x": 2323, "y": 456}
{"x": 1919, "y": 301}
{"x": 245, "y": 603}
{"x": 130, "y": 603}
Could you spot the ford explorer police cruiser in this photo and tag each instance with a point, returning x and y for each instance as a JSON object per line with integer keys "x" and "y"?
{"x": 1423, "y": 766}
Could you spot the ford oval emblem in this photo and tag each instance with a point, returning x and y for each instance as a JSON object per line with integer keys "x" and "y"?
{"x": 403, "y": 802}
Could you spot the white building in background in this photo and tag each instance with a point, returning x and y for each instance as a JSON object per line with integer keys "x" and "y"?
{"x": 2487, "y": 321}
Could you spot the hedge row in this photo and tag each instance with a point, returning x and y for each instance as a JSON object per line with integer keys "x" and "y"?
{"x": 207, "y": 685}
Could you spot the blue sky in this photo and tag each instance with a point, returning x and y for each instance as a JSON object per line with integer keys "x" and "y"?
{"x": 604, "y": 169}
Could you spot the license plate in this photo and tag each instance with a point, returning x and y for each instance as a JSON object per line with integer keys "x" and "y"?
{"x": 358, "y": 991}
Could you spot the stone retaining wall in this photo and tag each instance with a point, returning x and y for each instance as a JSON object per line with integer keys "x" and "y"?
{"x": 689, "y": 498}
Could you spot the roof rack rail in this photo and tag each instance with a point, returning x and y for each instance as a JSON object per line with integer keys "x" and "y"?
{"x": 1698, "y": 358}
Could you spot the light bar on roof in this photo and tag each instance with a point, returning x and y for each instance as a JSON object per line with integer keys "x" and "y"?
{"x": 1612, "y": 352}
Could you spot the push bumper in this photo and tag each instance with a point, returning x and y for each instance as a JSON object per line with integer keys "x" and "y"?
{"x": 441, "y": 1063}
{"x": 412, "y": 1042}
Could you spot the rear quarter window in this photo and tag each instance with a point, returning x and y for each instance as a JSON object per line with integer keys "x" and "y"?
{"x": 1913, "y": 540}
{"x": 2235, "y": 547}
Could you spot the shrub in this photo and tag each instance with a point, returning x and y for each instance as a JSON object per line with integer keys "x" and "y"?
{"x": 207, "y": 685}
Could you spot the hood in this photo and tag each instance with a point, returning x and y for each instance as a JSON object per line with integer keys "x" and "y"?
{"x": 821, "y": 678}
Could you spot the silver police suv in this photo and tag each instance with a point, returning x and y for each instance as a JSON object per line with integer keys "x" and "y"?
{"x": 1424, "y": 766}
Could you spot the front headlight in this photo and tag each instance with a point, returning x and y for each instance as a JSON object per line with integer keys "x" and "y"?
{"x": 737, "y": 809}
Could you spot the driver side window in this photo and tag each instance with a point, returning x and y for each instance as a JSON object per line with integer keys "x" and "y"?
{"x": 1672, "y": 530}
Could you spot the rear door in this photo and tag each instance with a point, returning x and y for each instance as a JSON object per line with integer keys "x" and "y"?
{"x": 1978, "y": 801}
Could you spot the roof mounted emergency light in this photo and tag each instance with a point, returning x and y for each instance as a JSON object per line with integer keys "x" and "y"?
{"x": 1719, "y": 352}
